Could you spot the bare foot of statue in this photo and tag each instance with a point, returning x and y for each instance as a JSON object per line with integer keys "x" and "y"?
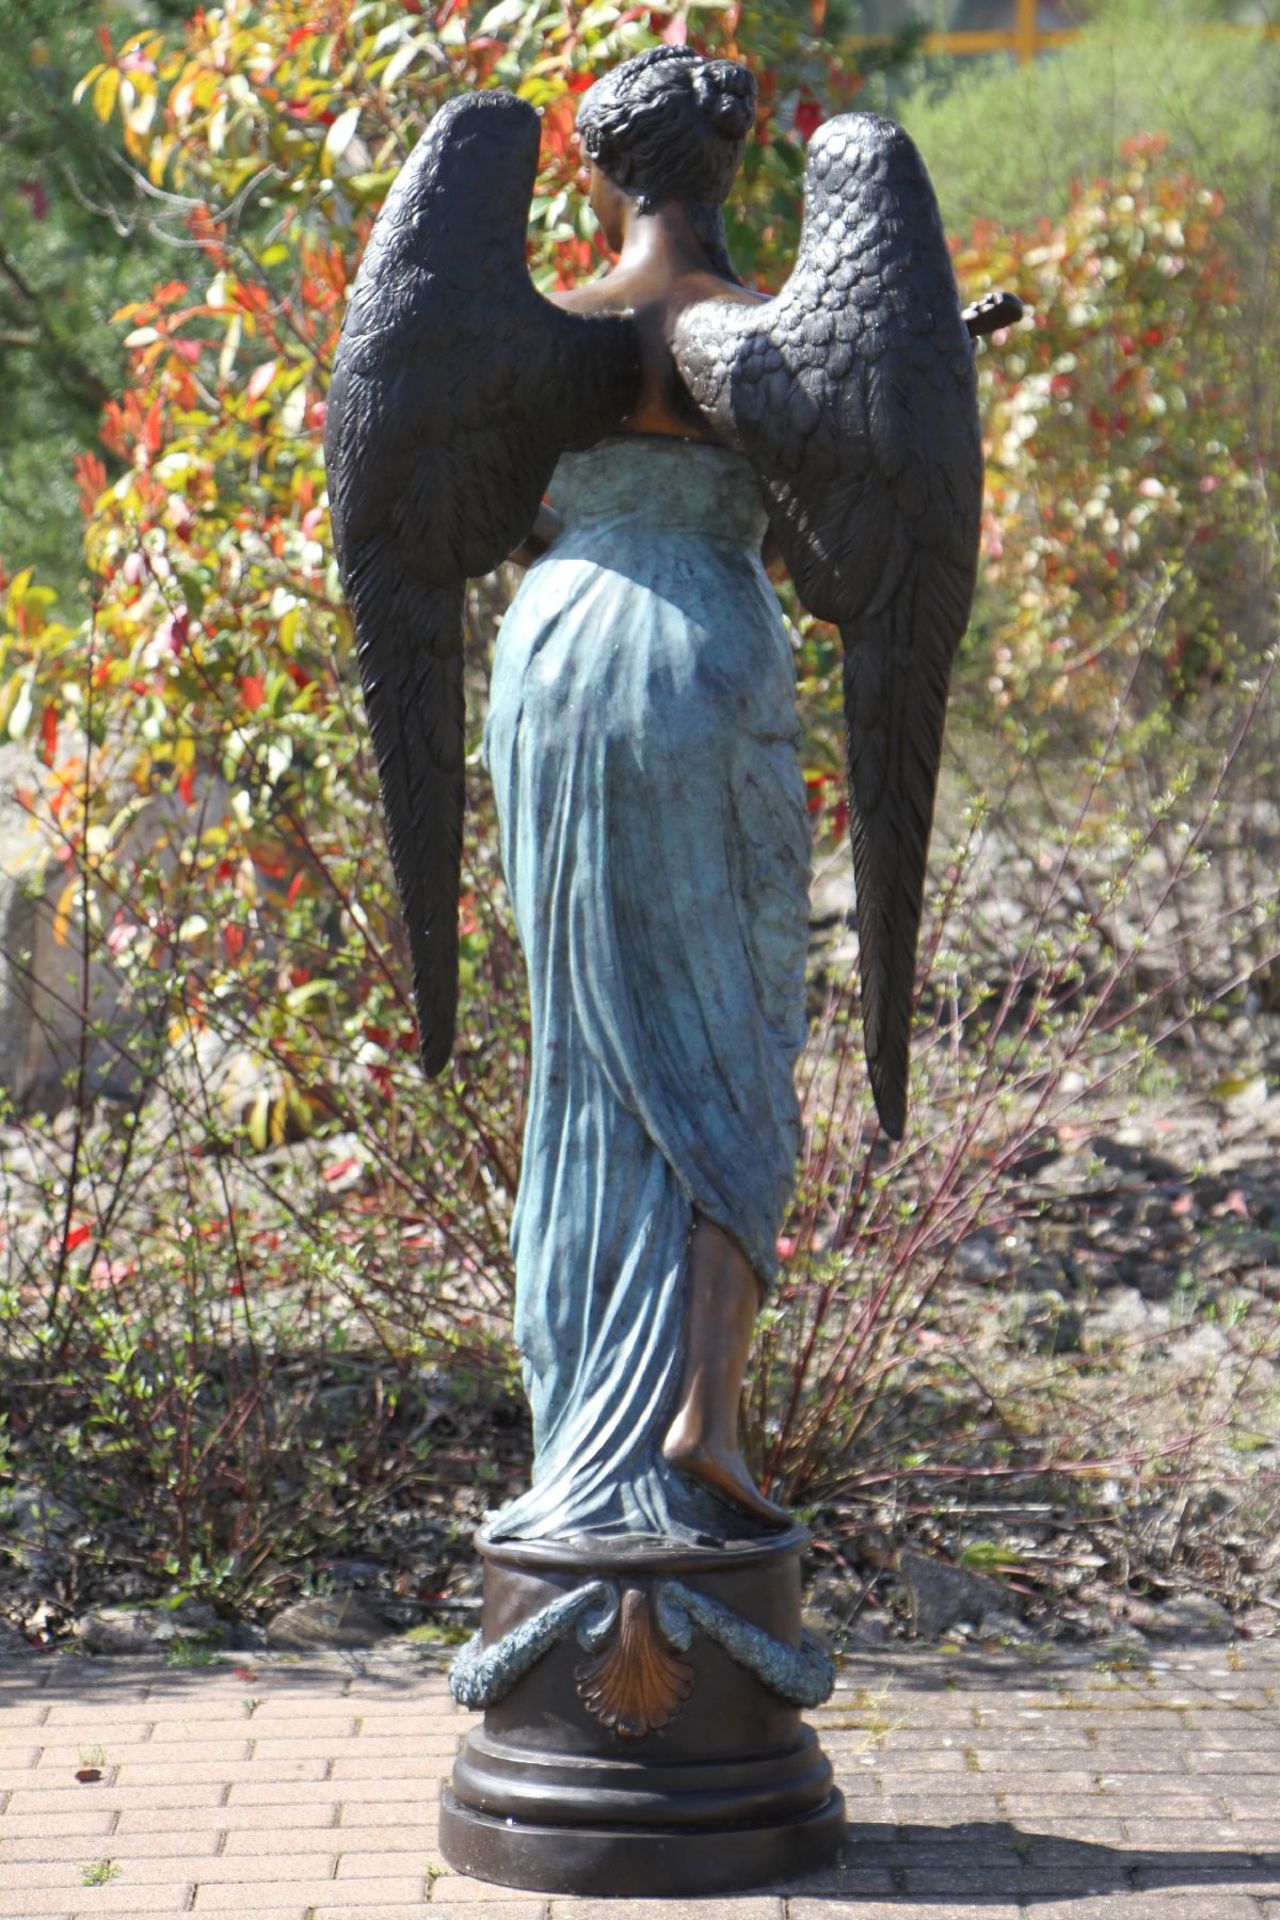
{"x": 723, "y": 1469}
{"x": 702, "y": 1440}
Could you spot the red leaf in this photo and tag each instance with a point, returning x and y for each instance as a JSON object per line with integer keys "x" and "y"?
{"x": 808, "y": 116}
{"x": 253, "y": 689}
{"x": 153, "y": 429}
{"x": 296, "y": 885}
{"x": 338, "y": 1168}
{"x": 187, "y": 785}
{"x": 48, "y": 735}
{"x": 91, "y": 479}
{"x": 233, "y": 941}
{"x": 76, "y": 1237}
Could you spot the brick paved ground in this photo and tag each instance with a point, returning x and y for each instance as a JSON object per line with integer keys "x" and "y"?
{"x": 978, "y": 1787}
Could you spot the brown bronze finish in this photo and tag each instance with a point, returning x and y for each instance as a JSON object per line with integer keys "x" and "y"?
{"x": 551, "y": 1796}
{"x": 639, "y": 1684}
{"x": 702, "y": 1440}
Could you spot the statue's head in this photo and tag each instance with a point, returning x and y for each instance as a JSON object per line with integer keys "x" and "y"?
{"x": 670, "y": 126}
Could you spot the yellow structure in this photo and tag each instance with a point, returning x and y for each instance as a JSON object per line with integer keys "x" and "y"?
{"x": 1024, "y": 39}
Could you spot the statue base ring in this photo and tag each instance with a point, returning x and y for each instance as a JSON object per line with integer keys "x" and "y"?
{"x": 642, "y": 1702}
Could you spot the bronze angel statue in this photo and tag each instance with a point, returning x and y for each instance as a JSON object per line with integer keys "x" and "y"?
{"x": 642, "y": 734}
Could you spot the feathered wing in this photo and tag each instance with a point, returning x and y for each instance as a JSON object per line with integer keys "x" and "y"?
{"x": 455, "y": 388}
{"x": 854, "y": 393}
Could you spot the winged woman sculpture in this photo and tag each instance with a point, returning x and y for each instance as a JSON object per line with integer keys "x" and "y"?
{"x": 642, "y": 735}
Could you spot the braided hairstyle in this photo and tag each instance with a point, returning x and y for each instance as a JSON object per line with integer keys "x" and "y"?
{"x": 672, "y": 126}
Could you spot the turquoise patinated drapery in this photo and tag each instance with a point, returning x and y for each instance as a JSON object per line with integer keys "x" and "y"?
{"x": 642, "y": 740}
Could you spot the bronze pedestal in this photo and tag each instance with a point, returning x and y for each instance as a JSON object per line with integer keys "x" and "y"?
{"x": 642, "y": 1733}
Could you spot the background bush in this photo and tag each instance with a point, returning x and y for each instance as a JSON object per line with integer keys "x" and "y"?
{"x": 234, "y": 1280}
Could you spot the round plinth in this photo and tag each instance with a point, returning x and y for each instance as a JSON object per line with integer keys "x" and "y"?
{"x": 648, "y": 1863}
{"x": 623, "y": 1754}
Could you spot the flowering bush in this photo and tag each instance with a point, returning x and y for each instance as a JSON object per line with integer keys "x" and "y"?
{"x": 1127, "y": 457}
{"x": 205, "y": 784}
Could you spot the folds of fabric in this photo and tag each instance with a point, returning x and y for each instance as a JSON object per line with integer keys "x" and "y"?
{"x": 642, "y": 741}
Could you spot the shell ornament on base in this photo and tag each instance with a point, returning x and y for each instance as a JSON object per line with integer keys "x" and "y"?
{"x": 638, "y": 1684}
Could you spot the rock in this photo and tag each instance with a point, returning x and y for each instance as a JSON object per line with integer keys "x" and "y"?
{"x": 245, "y": 1636}
{"x": 978, "y": 1258}
{"x": 1124, "y": 1316}
{"x": 1206, "y": 1346}
{"x": 942, "y": 1596}
{"x": 834, "y": 1598}
{"x": 1050, "y": 1273}
{"x": 869, "y": 1630}
{"x": 1190, "y": 1617}
{"x": 1048, "y": 1325}
{"x": 114, "y": 1630}
{"x": 42, "y": 970}
{"x": 35, "y": 1515}
{"x": 327, "y": 1620}
{"x": 1000, "y": 1624}
{"x": 1225, "y": 1251}
{"x": 122, "y": 1630}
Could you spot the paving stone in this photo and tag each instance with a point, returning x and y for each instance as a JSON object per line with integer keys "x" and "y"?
{"x": 415, "y": 1836}
{"x": 411, "y": 1722}
{"x": 1165, "y": 1788}
{"x": 957, "y": 1879}
{"x": 273, "y": 1722}
{"x": 982, "y": 1790}
{"x": 360, "y": 1746}
{"x": 1199, "y": 1905}
{"x": 355, "y": 1813}
{"x": 803, "y": 1908}
{"x": 1247, "y": 1796}
{"x": 1236, "y": 1875}
{"x": 438, "y": 1910}
{"x": 349, "y": 1765}
{"x": 230, "y": 1898}
{"x": 300, "y": 1820}
{"x": 1027, "y": 1808}
{"x": 371, "y": 1865}
{"x": 1244, "y": 1835}
{"x": 750, "y": 1906}
{"x": 51, "y": 1826}
{"x": 1224, "y": 1759}
{"x": 381, "y": 1787}
{"x": 453, "y": 1889}
{"x": 980, "y": 1783}
{"x": 1252, "y": 1728}
{"x": 95, "y": 1846}
{"x": 160, "y": 1773}
{"x": 171, "y": 1793}
{"x": 120, "y": 1753}
{"x": 34, "y": 1903}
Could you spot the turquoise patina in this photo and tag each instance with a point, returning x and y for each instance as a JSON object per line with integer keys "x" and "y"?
{"x": 642, "y": 740}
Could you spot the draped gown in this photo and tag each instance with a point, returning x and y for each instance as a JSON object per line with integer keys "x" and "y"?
{"x": 642, "y": 741}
